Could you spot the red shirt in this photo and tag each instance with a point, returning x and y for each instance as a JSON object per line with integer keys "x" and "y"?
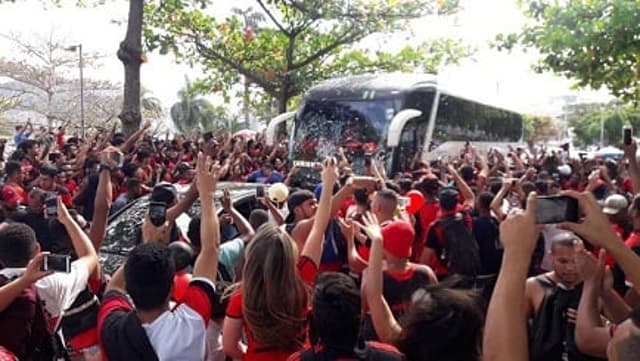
{"x": 427, "y": 214}
{"x": 307, "y": 270}
{"x": 633, "y": 241}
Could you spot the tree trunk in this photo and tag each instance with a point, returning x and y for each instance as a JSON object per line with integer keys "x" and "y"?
{"x": 130, "y": 54}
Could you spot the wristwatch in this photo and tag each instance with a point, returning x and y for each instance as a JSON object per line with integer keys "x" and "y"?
{"x": 105, "y": 167}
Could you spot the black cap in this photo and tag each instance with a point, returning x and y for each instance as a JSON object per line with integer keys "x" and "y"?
{"x": 448, "y": 198}
{"x": 295, "y": 200}
{"x": 164, "y": 192}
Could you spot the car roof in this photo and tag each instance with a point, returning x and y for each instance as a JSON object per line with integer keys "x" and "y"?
{"x": 122, "y": 227}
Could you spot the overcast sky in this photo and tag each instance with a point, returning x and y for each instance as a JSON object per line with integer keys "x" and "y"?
{"x": 506, "y": 78}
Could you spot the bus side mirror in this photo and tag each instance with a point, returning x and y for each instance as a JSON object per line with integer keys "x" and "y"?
{"x": 270, "y": 135}
{"x": 397, "y": 124}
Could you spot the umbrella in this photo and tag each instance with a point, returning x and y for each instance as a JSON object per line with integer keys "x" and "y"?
{"x": 610, "y": 152}
{"x": 245, "y": 133}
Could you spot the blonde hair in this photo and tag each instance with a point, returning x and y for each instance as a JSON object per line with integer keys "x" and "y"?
{"x": 274, "y": 297}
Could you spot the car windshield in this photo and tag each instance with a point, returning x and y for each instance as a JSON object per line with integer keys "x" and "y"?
{"x": 360, "y": 127}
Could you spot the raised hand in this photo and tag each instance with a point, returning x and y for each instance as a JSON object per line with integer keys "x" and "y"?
{"x": 590, "y": 268}
{"x": 33, "y": 271}
{"x": 347, "y": 227}
{"x": 595, "y": 226}
{"x": 207, "y": 174}
{"x": 329, "y": 172}
{"x": 630, "y": 150}
{"x": 519, "y": 232}
{"x": 225, "y": 200}
{"x": 63, "y": 212}
{"x": 371, "y": 226}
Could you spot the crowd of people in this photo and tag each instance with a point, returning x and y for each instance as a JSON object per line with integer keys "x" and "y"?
{"x": 444, "y": 261}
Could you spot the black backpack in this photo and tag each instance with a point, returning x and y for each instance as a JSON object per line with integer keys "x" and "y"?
{"x": 460, "y": 253}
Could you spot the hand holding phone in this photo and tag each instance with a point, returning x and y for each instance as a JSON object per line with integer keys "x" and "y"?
{"x": 260, "y": 192}
{"x": 556, "y": 209}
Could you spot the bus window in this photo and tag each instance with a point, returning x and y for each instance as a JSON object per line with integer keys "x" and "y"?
{"x": 461, "y": 120}
{"x": 411, "y": 142}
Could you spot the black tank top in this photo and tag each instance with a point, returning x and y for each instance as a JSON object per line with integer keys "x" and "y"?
{"x": 551, "y": 335}
{"x": 397, "y": 291}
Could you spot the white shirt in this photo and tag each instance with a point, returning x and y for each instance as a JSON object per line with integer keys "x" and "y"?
{"x": 58, "y": 291}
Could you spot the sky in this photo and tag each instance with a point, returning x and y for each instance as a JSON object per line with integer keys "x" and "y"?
{"x": 499, "y": 77}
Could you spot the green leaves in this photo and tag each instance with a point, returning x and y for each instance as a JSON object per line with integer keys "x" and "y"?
{"x": 288, "y": 45}
{"x": 595, "y": 42}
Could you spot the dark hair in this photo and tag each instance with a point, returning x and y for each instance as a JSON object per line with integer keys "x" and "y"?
{"x": 405, "y": 184}
{"x": 258, "y": 217}
{"x": 467, "y": 173}
{"x": 149, "y": 272}
{"x": 49, "y": 170}
{"x": 130, "y": 169}
{"x": 392, "y": 186}
{"x": 361, "y": 196}
{"x": 17, "y": 244}
{"x": 443, "y": 323}
{"x": 485, "y": 199}
{"x": 12, "y": 167}
{"x": 143, "y": 154}
{"x": 28, "y": 144}
{"x": 182, "y": 255}
{"x": 267, "y": 166}
{"x": 193, "y": 232}
{"x": 336, "y": 310}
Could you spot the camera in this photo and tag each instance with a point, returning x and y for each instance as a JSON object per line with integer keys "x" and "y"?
{"x": 627, "y": 135}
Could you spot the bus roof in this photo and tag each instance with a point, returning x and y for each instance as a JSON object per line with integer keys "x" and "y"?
{"x": 384, "y": 85}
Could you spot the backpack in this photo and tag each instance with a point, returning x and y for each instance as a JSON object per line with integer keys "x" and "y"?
{"x": 460, "y": 253}
{"x": 25, "y": 327}
{"x": 486, "y": 231}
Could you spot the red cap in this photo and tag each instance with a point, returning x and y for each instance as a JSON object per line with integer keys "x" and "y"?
{"x": 397, "y": 238}
{"x": 10, "y": 197}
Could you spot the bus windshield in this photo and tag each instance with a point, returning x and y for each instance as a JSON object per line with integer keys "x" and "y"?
{"x": 359, "y": 127}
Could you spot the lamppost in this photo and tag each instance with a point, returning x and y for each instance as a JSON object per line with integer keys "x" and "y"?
{"x": 80, "y": 65}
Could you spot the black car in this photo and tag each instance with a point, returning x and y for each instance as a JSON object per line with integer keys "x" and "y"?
{"x": 123, "y": 229}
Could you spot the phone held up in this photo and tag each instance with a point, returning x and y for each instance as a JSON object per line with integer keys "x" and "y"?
{"x": 56, "y": 262}
{"x": 556, "y": 209}
{"x": 51, "y": 205}
{"x": 627, "y": 135}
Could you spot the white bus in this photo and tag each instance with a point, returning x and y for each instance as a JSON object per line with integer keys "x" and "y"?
{"x": 398, "y": 115}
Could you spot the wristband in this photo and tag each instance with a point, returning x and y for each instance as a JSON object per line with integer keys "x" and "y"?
{"x": 105, "y": 167}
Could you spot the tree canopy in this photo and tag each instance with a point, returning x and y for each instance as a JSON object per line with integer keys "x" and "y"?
{"x": 596, "y": 42}
{"x": 304, "y": 41}
{"x": 586, "y": 120}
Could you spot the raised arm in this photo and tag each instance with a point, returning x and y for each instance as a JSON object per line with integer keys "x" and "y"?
{"x": 465, "y": 190}
{"x": 597, "y": 230}
{"x": 183, "y": 204}
{"x": 103, "y": 199}
{"x": 244, "y": 227}
{"x": 384, "y": 322}
{"x": 590, "y": 335}
{"x": 207, "y": 177}
{"x": 133, "y": 138}
{"x": 80, "y": 240}
{"x": 10, "y": 291}
{"x": 275, "y": 212}
{"x": 349, "y": 230}
{"x": 313, "y": 246}
{"x": 496, "y": 203}
{"x": 505, "y": 334}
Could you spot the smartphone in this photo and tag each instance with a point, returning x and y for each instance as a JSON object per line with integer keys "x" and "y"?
{"x": 403, "y": 202}
{"x": 627, "y": 134}
{"x": 118, "y": 159}
{"x": 556, "y": 209}
{"x": 56, "y": 263}
{"x": 51, "y": 205}
{"x": 157, "y": 213}
{"x": 260, "y": 192}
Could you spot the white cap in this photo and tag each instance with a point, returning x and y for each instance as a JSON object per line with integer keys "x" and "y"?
{"x": 278, "y": 192}
{"x": 614, "y": 204}
{"x": 564, "y": 170}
